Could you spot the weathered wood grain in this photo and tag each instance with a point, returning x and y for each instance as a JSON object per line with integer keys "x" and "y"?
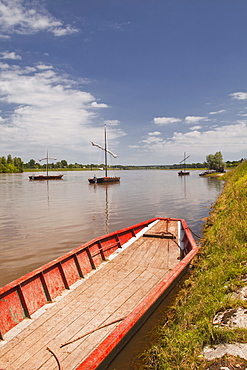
{"x": 109, "y": 294}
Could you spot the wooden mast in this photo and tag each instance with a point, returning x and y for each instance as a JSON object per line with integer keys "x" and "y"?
{"x": 105, "y": 154}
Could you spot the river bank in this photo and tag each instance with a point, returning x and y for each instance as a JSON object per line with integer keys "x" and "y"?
{"x": 218, "y": 273}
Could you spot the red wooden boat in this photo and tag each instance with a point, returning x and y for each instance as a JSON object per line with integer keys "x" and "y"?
{"x": 78, "y": 311}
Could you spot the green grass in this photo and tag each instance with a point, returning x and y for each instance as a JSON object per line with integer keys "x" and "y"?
{"x": 216, "y": 273}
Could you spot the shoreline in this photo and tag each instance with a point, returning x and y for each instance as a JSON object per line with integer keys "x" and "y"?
{"x": 219, "y": 270}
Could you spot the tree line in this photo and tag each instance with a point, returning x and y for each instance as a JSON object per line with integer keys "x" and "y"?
{"x": 10, "y": 165}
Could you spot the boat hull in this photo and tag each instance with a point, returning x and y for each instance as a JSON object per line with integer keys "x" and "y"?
{"x": 45, "y": 177}
{"x": 116, "y": 280}
{"x": 103, "y": 180}
{"x": 183, "y": 173}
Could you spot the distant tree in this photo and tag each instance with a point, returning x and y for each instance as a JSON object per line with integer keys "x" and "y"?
{"x": 10, "y": 165}
{"x": 64, "y": 163}
{"x": 18, "y": 163}
{"x": 31, "y": 163}
{"x": 9, "y": 159}
{"x": 3, "y": 165}
{"x": 215, "y": 162}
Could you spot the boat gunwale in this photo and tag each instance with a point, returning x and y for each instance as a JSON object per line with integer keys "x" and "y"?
{"x": 114, "y": 341}
{"x": 65, "y": 256}
{"x": 101, "y": 353}
{"x": 82, "y": 247}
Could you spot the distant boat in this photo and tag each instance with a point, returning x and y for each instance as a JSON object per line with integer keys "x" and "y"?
{"x": 183, "y": 172}
{"x": 106, "y": 179}
{"x": 47, "y": 176}
{"x": 208, "y": 172}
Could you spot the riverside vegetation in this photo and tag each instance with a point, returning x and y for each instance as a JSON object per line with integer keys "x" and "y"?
{"x": 219, "y": 269}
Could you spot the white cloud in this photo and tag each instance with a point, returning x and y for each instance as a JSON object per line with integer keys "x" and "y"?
{"x": 194, "y": 119}
{"x": 195, "y": 128}
{"x": 94, "y": 104}
{"x": 218, "y": 112}
{"x": 152, "y": 140}
{"x": 47, "y": 110}
{"x": 155, "y": 133}
{"x": 239, "y": 95}
{"x": 9, "y": 55}
{"x": 112, "y": 122}
{"x": 232, "y": 137}
{"x": 19, "y": 16}
{"x": 229, "y": 140}
{"x": 166, "y": 120}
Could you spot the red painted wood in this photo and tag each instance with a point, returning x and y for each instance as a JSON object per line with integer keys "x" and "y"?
{"x": 11, "y": 310}
{"x": 84, "y": 262}
{"x": 34, "y": 294}
{"x": 70, "y": 270}
{"x": 54, "y": 281}
{"x": 58, "y": 275}
{"x": 110, "y": 343}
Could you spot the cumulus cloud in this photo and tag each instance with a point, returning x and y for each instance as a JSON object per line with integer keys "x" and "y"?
{"x": 166, "y": 120}
{"x": 239, "y": 95}
{"x": 24, "y": 17}
{"x": 112, "y": 122}
{"x": 153, "y": 140}
{"x": 155, "y": 133}
{"x": 228, "y": 139}
{"x": 194, "y": 119}
{"x": 47, "y": 109}
{"x": 195, "y": 128}
{"x": 99, "y": 105}
{"x": 218, "y": 112}
{"x": 9, "y": 55}
{"x": 231, "y": 138}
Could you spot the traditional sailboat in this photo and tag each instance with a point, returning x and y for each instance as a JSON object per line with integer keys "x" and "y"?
{"x": 183, "y": 172}
{"x": 106, "y": 179}
{"x": 47, "y": 176}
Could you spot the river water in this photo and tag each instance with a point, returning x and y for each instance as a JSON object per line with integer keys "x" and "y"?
{"x": 41, "y": 220}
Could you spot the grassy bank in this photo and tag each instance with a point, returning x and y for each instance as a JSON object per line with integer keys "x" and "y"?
{"x": 217, "y": 271}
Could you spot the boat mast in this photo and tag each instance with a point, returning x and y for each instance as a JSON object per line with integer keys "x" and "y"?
{"x": 47, "y": 158}
{"x": 105, "y": 154}
{"x": 184, "y": 161}
{"x": 47, "y": 163}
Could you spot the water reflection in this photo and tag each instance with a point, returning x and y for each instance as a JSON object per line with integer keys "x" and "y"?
{"x": 213, "y": 182}
{"x": 105, "y": 188}
{"x": 40, "y": 221}
{"x": 183, "y": 181}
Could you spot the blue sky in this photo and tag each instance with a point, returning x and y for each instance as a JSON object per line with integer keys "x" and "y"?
{"x": 166, "y": 76}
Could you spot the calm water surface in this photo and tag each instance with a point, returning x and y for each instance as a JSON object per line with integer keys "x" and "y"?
{"x": 41, "y": 220}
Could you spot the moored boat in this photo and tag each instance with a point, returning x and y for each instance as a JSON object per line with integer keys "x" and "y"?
{"x": 47, "y": 176}
{"x": 208, "y": 172}
{"x": 183, "y": 172}
{"x": 105, "y": 179}
{"x": 78, "y": 311}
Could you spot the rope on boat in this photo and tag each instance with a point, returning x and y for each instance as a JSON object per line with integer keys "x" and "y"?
{"x": 59, "y": 365}
{"x": 92, "y": 331}
{"x": 194, "y": 234}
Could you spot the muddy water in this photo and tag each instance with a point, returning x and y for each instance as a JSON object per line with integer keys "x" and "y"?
{"x": 41, "y": 220}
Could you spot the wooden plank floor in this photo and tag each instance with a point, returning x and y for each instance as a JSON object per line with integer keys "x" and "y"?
{"x": 110, "y": 294}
